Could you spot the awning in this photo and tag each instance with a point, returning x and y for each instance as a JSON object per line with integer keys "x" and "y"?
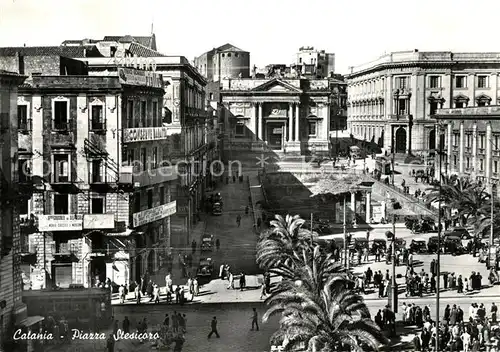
{"x": 30, "y": 321}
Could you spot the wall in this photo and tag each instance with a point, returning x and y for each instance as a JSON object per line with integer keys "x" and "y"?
{"x": 231, "y": 64}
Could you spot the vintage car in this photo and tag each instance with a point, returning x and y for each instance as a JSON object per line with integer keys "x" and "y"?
{"x": 432, "y": 244}
{"x": 418, "y": 245}
{"x": 400, "y": 244}
{"x": 207, "y": 242}
{"x": 378, "y": 243}
{"x": 461, "y": 232}
{"x": 205, "y": 268}
{"x": 217, "y": 209}
{"x": 453, "y": 245}
{"x": 360, "y": 243}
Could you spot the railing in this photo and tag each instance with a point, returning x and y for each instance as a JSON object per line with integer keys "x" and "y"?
{"x": 400, "y": 117}
{"x": 62, "y": 126}
{"x": 97, "y": 125}
{"x": 25, "y": 125}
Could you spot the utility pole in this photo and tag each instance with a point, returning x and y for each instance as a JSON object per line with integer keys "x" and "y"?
{"x": 346, "y": 259}
{"x": 438, "y": 261}
{"x": 393, "y": 281}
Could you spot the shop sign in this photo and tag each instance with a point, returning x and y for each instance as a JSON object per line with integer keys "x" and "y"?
{"x": 98, "y": 221}
{"x": 73, "y": 222}
{"x": 132, "y": 77}
{"x": 157, "y": 213}
{"x": 145, "y": 134}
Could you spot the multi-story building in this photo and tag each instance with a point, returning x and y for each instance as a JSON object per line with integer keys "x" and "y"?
{"x": 91, "y": 149}
{"x": 470, "y": 142}
{"x": 224, "y": 62}
{"x": 285, "y": 115}
{"x": 392, "y": 99}
{"x": 12, "y": 310}
{"x": 315, "y": 63}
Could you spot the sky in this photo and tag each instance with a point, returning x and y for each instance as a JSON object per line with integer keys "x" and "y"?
{"x": 357, "y": 31}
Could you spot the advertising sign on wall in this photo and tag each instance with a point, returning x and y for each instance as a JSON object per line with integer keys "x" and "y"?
{"x": 73, "y": 222}
{"x": 157, "y": 213}
{"x": 132, "y": 77}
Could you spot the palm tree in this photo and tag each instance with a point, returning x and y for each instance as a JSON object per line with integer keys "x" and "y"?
{"x": 278, "y": 246}
{"x": 471, "y": 204}
{"x": 320, "y": 311}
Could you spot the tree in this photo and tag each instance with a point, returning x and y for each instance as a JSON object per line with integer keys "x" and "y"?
{"x": 320, "y": 311}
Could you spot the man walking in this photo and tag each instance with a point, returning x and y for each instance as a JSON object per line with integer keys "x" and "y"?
{"x": 214, "y": 328}
{"x": 238, "y": 220}
{"x": 255, "y": 321}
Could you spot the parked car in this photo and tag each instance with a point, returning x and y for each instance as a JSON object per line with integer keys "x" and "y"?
{"x": 205, "y": 268}
{"x": 453, "y": 245}
{"x": 400, "y": 244}
{"x": 378, "y": 243}
{"x": 418, "y": 245}
{"x": 461, "y": 232}
{"x": 360, "y": 243}
{"x": 217, "y": 209}
{"x": 207, "y": 242}
{"x": 432, "y": 244}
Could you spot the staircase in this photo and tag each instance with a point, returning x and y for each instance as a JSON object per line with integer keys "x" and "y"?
{"x": 402, "y": 158}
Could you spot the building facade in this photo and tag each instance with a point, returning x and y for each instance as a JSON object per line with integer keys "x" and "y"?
{"x": 290, "y": 116}
{"x": 90, "y": 150}
{"x": 224, "y": 62}
{"x": 315, "y": 63}
{"x": 12, "y": 310}
{"x": 470, "y": 141}
{"x": 392, "y": 99}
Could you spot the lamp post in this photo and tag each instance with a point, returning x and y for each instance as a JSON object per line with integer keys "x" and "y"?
{"x": 346, "y": 260}
{"x": 438, "y": 259}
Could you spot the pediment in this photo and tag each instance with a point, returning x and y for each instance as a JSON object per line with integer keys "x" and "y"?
{"x": 277, "y": 85}
{"x": 483, "y": 97}
{"x": 461, "y": 97}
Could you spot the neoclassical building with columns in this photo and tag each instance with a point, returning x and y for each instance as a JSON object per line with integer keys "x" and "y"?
{"x": 470, "y": 139}
{"x": 289, "y": 116}
{"x": 391, "y": 100}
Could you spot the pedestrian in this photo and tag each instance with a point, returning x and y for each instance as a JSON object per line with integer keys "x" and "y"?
{"x": 217, "y": 244}
{"x": 177, "y": 294}
{"x": 263, "y": 291}
{"x": 121, "y": 293}
{"x": 166, "y": 322}
{"x": 247, "y": 210}
{"x": 175, "y": 322}
{"x": 213, "y": 326}
{"x": 137, "y": 292}
{"x": 193, "y": 246}
{"x": 182, "y": 298}
{"x": 189, "y": 284}
{"x": 126, "y": 325}
{"x": 255, "y": 320}
{"x": 182, "y": 323}
{"x": 221, "y": 271}
{"x": 156, "y": 293}
{"x": 110, "y": 343}
{"x": 238, "y": 220}
{"x": 179, "y": 342}
{"x": 115, "y": 327}
{"x": 242, "y": 281}
{"x": 196, "y": 287}
{"x": 184, "y": 319}
{"x": 231, "y": 281}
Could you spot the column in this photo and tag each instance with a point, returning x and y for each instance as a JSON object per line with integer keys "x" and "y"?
{"x": 489, "y": 164}
{"x": 297, "y": 123}
{"x": 353, "y": 202}
{"x": 462, "y": 142}
{"x": 449, "y": 146}
{"x": 368, "y": 206}
{"x": 253, "y": 123}
{"x": 326, "y": 122}
{"x": 259, "y": 122}
{"x": 290, "y": 122}
{"x": 474, "y": 151}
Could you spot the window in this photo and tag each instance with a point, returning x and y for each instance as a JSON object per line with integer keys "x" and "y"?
{"x": 211, "y": 96}
{"x": 402, "y": 82}
{"x": 23, "y": 206}
{"x": 155, "y": 158}
{"x": 228, "y": 54}
{"x": 97, "y": 205}
{"x": 434, "y": 107}
{"x": 61, "y": 115}
{"x": 235, "y": 54}
{"x": 24, "y": 170}
{"x": 96, "y": 171}
{"x": 312, "y": 128}
{"x": 481, "y": 164}
{"x": 496, "y": 142}
{"x": 460, "y": 82}
{"x": 143, "y": 113}
{"x": 150, "y": 198}
{"x": 481, "y": 141}
{"x": 97, "y": 117}
{"x": 468, "y": 142}
{"x": 434, "y": 82}
{"x": 481, "y": 103}
{"x": 467, "y": 162}
{"x": 454, "y": 160}
{"x": 130, "y": 157}
{"x": 61, "y": 168}
{"x": 130, "y": 114}
{"x": 402, "y": 106}
{"x": 456, "y": 138}
{"x": 162, "y": 195}
{"x": 22, "y": 117}
{"x": 143, "y": 159}
{"x": 239, "y": 130}
{"x": 482, "y": 81}
{"x": 137, "y": 202}
{"x": 495, "y": 166}
{"x": 459, "y": 104}
{"x": 61, "y": 203}
{"x": 155, "y": 113}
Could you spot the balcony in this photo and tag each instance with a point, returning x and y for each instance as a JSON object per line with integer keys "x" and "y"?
{"x": 25, "y": 126}
{"x": 98, "y": 126}
{"x": 495, "y": 152}
{"x": 27, "y": 253}
{"x": 468, "y": 149}
{"x": 98, "y": 221}
{"x": 63, "y": 184}
{"x": 61, "y": 126}
{"x": 455, "y": 148}
{"x": 481, "y": 151}
{"x": 101, "y": 183}
{"x": 401, "y": 117}
{"x": 126, "y": 179}
{"x": 27, "y": 225}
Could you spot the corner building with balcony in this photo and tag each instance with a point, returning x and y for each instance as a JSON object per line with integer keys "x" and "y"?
{"x": 392, "y": 99}
{"x": 89, "y": 152}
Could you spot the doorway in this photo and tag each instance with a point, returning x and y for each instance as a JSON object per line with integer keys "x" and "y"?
{"x": 275, "y": 132}
{"x": 401, "y": 140}
{"x": 150, "y": 261}
{"x": 138, "y": 269}
{"x": 432, "y": 139}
